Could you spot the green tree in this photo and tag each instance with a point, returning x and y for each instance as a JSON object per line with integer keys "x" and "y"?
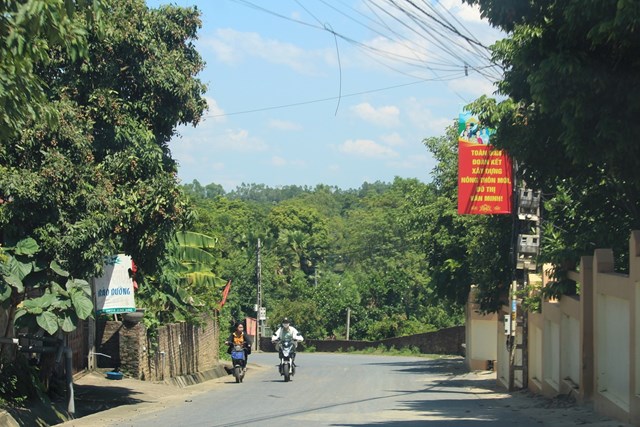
{"x": 300, "y": 234}
{"x": 571, "y": 77}
{"x": 461, "y": 250}
{"x": 186, "y": 285}
{"x": 101, "y": 179}
{"x": 373, "y": 260}
{"x": 30, "y": 31}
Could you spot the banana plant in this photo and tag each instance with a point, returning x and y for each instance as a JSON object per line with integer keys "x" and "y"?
{"x": 187, "y": 284}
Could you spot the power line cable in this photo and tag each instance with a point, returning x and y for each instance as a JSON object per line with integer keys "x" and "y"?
{"x": 333, "y": 98}
{"x": 419, "y": 16}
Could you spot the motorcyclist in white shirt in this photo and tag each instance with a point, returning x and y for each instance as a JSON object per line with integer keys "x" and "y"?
{"x": 286, "y": 331}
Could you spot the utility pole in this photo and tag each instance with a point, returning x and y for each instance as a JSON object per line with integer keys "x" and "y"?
{"x": 259, "y": 298}
{"x": 348, "y": 321}
{"x": 528, "y": 247}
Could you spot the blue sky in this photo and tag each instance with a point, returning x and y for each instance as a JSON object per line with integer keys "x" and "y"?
{"x": 336, "y": 92}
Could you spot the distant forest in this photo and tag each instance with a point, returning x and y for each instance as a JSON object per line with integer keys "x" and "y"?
{"x": 396, "y": 256}
{"x": 324, "y": 251}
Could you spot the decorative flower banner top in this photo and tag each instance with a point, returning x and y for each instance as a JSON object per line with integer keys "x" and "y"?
{"x": 484, "y": 173}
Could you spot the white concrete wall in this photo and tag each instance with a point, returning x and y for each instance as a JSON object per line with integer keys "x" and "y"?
{"x": 535, "y": 355}
{"x": 551, "y": 358}
{"x": 612, "y": 349}
{"x": 484, "y": 340}
{"x": 571, "y": 352}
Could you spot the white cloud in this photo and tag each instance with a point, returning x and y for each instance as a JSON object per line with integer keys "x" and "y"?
{"x": 476, "y": 25}
{"x": 393, "y": 139}
{"x": 416, "y": 161}
{"x": 473, "y": 86}
{"x": 462, "y": 11}
{"x": 284, "y": 125}
{"x": 366, "y": 148}
{"x": 423, "y": 48}
{"x": 384, "y": 116}
{"x": 184, "y": 158}
{"x": 232, "y": 47}
{"x": 214, "y": 112}
{"x": 423, "y": 118}
{"x": 278, "y": 161}
{"x": 412, "y": 49}
{"x": 240, "y": 140}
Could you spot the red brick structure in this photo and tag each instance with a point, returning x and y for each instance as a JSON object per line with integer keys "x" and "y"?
{"x": 179, "y": 349}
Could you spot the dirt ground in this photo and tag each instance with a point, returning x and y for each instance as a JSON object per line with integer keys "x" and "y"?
{"x": 99, "y": 400}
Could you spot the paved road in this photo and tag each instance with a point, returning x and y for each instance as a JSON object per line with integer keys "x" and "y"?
{"x": 343, "y": 390}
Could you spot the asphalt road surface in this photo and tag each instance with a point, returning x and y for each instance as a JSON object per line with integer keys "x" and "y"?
{"x": 343, "y": 390}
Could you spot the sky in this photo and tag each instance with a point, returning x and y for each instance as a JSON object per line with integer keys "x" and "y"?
{"x": 333, "y": 92}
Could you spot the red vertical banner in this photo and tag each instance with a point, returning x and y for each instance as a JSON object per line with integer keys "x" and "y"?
{"x": 485, "y": 183}
{"x": 251, "y": 327}
{"x": 225, "y": 293}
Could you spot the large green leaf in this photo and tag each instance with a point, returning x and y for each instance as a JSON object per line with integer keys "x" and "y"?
{"x": 196, "y": 255}
{"x": 58, "y": 269}
{"x": 61, "y": 304}
{"x": 193, "y": 267}
{"x": 27, "y": 247}
{"x": 83, "y": 285}
{"x": 57, "y": 289}
{"x": 189, "y": 238}
{"x": 67, "y": 324}
{"x": 17, "y": 268}
{"x": 5, "y": 291}
{"x": 82, "y": 304}
{"x": 15, "y": 282}
{"x": 32, "y": 306}
{"x": 48, "y": 321}
{"x": 204, "y": 279}
{"x": 47, "y": 300}
{"x": 184, "y": 295}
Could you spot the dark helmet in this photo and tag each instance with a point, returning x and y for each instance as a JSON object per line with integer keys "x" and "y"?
{"x": 285, "y": 321}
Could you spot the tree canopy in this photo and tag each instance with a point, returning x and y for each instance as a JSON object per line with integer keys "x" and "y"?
{"x": 571, "y": 82}
{"x": 100, "y": 179}
{"x": 326, "y": 252}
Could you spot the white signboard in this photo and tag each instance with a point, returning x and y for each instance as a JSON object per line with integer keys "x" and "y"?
{"x": 114, "y": 290}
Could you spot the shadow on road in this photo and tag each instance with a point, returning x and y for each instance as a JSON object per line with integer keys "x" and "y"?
{"x": 449, "y": 366}
{"x": 91, "y": 398}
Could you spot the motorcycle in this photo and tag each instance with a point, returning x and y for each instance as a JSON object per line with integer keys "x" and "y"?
{"x": 287, "y": 352}
{"x": 238, "y": 360}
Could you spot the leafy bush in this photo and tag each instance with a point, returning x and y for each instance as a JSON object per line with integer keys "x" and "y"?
{"x": 18, "y": 382}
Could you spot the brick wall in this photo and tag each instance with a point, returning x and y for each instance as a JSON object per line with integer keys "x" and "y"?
{"x": 179, "y": 349}
{"x": 108, "y": 343}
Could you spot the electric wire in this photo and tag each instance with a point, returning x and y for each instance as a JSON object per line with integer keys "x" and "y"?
{"x": 430, "y": 27}
{"x": 332, "y": 98}
{"x": 459, "y": 62}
